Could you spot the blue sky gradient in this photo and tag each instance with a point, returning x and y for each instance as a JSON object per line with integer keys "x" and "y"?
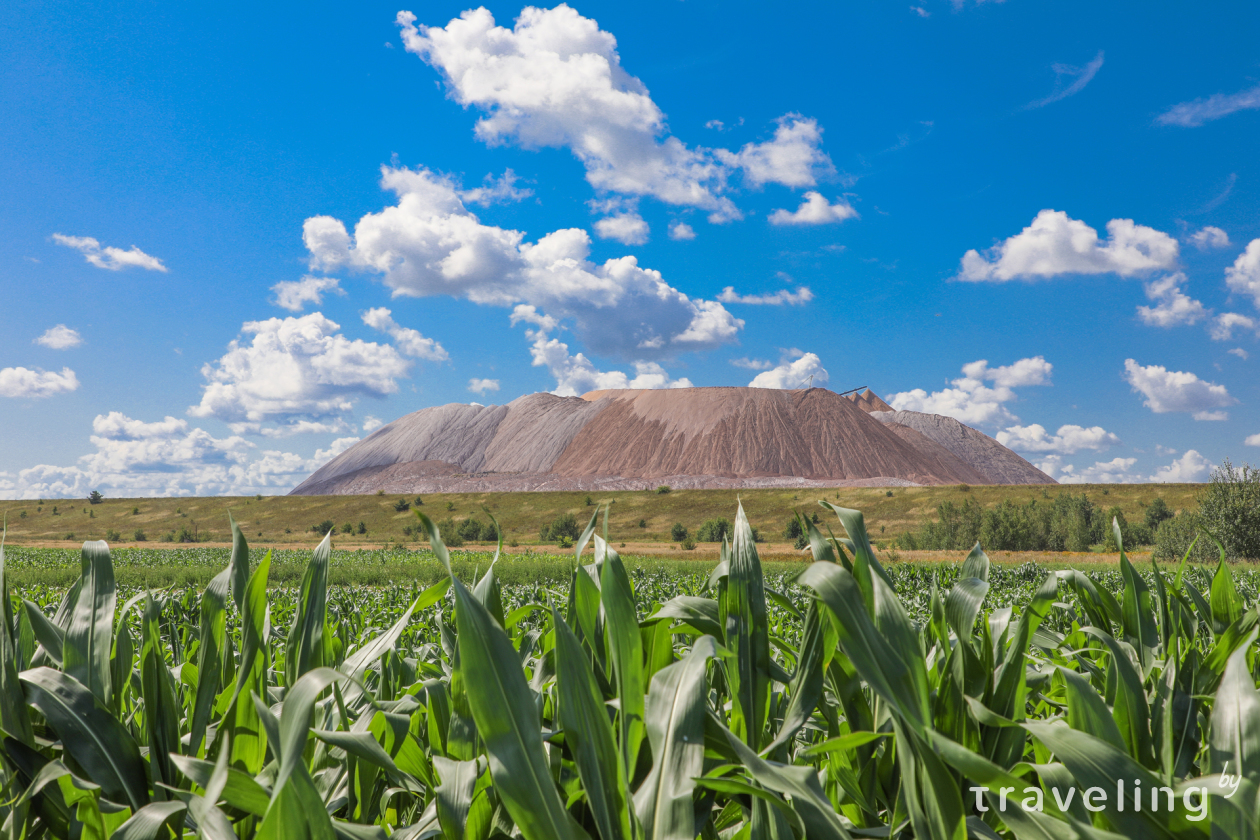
{"x": 654, "y": 193}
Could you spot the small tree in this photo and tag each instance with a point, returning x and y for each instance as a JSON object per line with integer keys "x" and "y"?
{"x": 678, "y": 533}
{"x": 95, "y": 497}
{"x": 402, "y": 505}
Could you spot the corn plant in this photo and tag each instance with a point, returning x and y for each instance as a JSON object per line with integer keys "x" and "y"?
{"x": 818, "y": 709}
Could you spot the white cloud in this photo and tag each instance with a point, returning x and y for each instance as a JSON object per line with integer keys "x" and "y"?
{"x": 60, "y": 337}
{"x": 800, "y": 297}
{"x": 295, "y": 368}
{"x": 681, "y": 232}
{"x": 793, "y": 158}
{"x": 1189, "y": 468}
{"x": 337, "y": 426}
{"x": 1243, "y": 276}
{"x": 1252, "y": 440}
{"x": 804, "y": 372}
{"x": 1055, "y": 244}
{"x": 293, "y": 295}
{"x": 430, "y": 244}
{"x": 814, "y": 210}
{"x": 1173, "y": 306}
{"x": 1222, "y": 326}
{"x": 1239, "y": 352}
{"x": 501, "y": 190}
{"x": 1115, "y": 471}
{"x": 920, "y": 11}
{"x": 972, "y": 402}
{"x": 409, "y": 341}
{"x": 110, "y": 258}
{"x": 626, "y": 228}
{"x": 1199, "y": 111}
{"x": 1210, "y": 237}
{"x": 752, "y": 364}
{"x": 1080, "y": 76}
{"x": 170, "y": 458}
{"x": 1167, "y": 391}
{"x": 480, "y": 386}
{"x": 371, "y": 424}
{"x": 1068, "y": 440}
{"x": 556, "y": 80}
{"x": 24, "y": 383}
{"x": 576, "y": 374}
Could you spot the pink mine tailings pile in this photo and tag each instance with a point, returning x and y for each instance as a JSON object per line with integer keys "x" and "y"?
{"x": 683, "y": 437}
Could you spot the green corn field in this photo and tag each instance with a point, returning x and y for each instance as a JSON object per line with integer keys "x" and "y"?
{"x": 814, "y": 704}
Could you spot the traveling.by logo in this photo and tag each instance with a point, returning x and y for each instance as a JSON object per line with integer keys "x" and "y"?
{"x": 1127, "y": 798}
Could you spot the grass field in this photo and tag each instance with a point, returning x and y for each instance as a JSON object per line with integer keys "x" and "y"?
{"x": 287, "y": 520}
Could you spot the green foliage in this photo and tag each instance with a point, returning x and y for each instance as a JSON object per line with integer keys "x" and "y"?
{"x": 713, "y": 530}
{"x": 589, "y": 502}
{"x": 139, "y": 535}
{"x": 678, "y": 533}
{"x": 642, "y": 523}
{"x": 402, "y": 506}
{"x": 1156, "y": 513}
{"x": 347, "y": 528}
{"x": 112, "y": 536}
{"x": 687, "y": 544}
{"x": 663, "y": 489}
{"x": 418, "y": 502}
{"x": 564, "y": 526}
{"x": 473, "y": 530}
{"x": 95, "y": 497}
{"x": 1230, "y": 510}
{"x": 324, "y": 527}
{"x": 362, "y": 529}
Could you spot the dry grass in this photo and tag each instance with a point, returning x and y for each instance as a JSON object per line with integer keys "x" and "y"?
{"x": 287, "y": 520}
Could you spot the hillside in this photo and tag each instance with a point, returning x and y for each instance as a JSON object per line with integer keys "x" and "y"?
{"x": 693, "y": 438}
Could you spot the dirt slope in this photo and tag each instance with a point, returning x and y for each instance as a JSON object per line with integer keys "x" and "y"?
{"x": 688, "y": 437}
{"x": 999, "y": 464}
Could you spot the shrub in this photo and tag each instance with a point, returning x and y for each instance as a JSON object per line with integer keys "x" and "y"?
{"x": 1230, "y": 510}
{"x": 888, "y": 493}
{"x": 381, "y": 492}
{"x": 642, "y": 523}
{"x": 402, "y": 506}
{"x": 470, "y": 530}
{"x": 678, "y": 533}
{"x": 112, "y": 536}
{"x": 418, "y": 502}
{"x": 792, "y": 531}
{"x": 450, "y": 505}
{"x": 589, "y": 502}
{"x": 362, "y": 529}
{"x": 324, "y": 527}
{"x": 70, "y": 536}
{"x": 562, "y": 526}
{"x": 714, "y": 530}
{"x": 1156, "y": 512}
{"x": 450, "y": 532}
{"x": 95, "y": 497}
{"x": 347, "y": 528}
{"x": 258, "y": 497}
{"x": 135, "y": 511}
{"x": 687, "y": 544}
{"x": 140, "y": 536}
{"x": 186, "y": 536}
{"x": 663, "y": 489}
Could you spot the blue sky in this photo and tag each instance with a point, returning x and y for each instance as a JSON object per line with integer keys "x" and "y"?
{"x": 234, "y": 240}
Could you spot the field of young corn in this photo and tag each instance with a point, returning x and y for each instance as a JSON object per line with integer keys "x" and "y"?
{"x": 629, "y": 705}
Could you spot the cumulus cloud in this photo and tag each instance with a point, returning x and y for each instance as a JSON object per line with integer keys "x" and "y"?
{"x": 501, "y": 190}
{"x": 1189, "y": 468}
{"x": 371, "y": 424}
{"x": 1056, "y": 244}
{"x": 295, "y": 368}
{"x": 1222, "y": 327}
{"x": 409, "y": 341}
{"x": 24, "y": 383}
{"x": 800, "y": 297}
{"x": 752, "y": 364}
{"x": 170, "y": 458}
{"x": 430, "y": 244}
{"x": 814, "y": 210}
{"x": 1079, "y": 76}
{"x": 1252, "y": 440}
{"x": 1068, "y": 440}
{"x": 480, "y": 386}
{"x": 1169, "y": 390}
{"x": 626, "y": 228}
{"x": 1210, "y": 237}
{"x": 293, "y": 295}
{"x": 973, "y": 402}
{"x": 1243, "y": 277}
{"x": 1239, "y": 352}
{"x": 681, "y": 232}
{"x": 1172, "y": 306}
{"x": 60, "y": 337}
{"x": 1199, "y": 111}
{"x": 109, "y": 258}
{"x": 577, "y": 374}
{"x": 803, "y": 372}
{"x": 556, "y": 80}
{"x": 1115, "y": 471}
